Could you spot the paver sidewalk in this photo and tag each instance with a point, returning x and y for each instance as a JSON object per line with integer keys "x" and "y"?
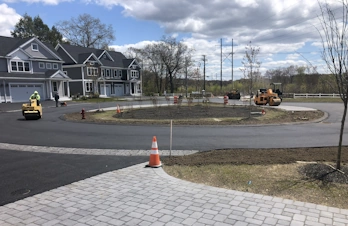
{"x": 147, "y": 196}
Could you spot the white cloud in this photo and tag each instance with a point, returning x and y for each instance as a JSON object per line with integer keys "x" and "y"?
{"x": 8, "y": 18}
{"x": 46, "y": 2}
{"x": 293, "y": 56}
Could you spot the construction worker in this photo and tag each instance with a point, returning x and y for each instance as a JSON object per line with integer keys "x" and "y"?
{"x": 36, "y": 96}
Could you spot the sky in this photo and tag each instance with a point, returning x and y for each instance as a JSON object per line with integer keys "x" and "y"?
{"x": 285, "y": 31}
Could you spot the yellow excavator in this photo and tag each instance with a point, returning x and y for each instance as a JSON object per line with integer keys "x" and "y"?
{"x": 32, "y": 110}
{"x": 267, "y": 96}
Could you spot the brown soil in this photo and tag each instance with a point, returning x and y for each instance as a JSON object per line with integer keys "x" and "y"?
{"x": 318, "y": 170}
{"x": 232, "y": 115}
{"x": 206, "y": 114}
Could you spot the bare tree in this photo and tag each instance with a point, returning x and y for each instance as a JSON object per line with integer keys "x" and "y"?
{"x": 251, "y": 66}
{"x": 167, "y": 59}
{"x": 150, "y": 57}
{"x": 334, "y": 39}
{"x": 174, "y": 55}
{"x": 86, "y": 31}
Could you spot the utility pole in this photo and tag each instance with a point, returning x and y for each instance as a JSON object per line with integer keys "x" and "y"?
{"x": 186, "y": 64}
{"x": 221, "y": 65}
{"x": 204, "y": 71}
{"x": 232, "y": 65}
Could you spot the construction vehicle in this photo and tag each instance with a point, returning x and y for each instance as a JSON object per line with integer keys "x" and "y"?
{"x": 277, "y": 88}
{"x": 32, "y": 110}
{"x": 266, "y": 96}
{"x": 234, "y": 94}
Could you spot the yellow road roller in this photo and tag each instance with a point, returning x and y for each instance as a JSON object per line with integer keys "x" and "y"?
{"x": 32, "y": 110}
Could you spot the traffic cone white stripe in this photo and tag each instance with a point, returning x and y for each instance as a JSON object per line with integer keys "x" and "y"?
{"x": 154, "y": 152}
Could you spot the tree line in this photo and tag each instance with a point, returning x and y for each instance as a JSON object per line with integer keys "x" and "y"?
{"x": 84, "y": 30}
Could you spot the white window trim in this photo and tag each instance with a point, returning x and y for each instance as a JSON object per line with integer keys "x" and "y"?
{"x": 48, "y": 66}
{"x": 23, "y": 62}
{"x": 41, "y": 65}
{"x": 107, "y": 73}
{"x": 88, "y": 86}
{"x": 55, "y": 66}
{"x": 134, "y": 74}
{"x": 118, "y": 74}
{"x": 92, "y": 71}
{"x": 36, "y": 48}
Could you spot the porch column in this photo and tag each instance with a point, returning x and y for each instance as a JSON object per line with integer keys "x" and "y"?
{"x": 50, "y": 82}
{"x": 4, "y": 84}
{"x": 104, "y": 88}
{"x": 68, "y": 88}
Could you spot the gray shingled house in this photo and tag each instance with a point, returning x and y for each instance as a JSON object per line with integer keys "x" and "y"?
{"x": 105, "y": 72}
{"x": 28, "y": 65}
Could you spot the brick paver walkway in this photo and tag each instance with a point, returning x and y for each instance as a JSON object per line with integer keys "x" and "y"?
{"x": 148, "y": 196}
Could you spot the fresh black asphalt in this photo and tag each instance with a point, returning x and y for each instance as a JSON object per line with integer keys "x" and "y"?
{"x": 24, "y": 174}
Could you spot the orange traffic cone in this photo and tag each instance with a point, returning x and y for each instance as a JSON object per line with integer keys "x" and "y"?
{"x": 118, "y": 110}
{"x": 154, "y": 155}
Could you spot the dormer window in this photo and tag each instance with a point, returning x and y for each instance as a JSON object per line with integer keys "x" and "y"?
{"x": 34, "y": 47}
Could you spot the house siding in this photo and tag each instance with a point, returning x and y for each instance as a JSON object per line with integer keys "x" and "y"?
{"x": 42, "y": 53}
{"x": 76, "y": 88}
{"x": 74, "y": 73}
{"x": 124, "y": 75}
{"x": 3, "y": 65}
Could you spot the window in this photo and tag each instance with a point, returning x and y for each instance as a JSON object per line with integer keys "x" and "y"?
{"x": 92, "y": 71}
{"x": 41, "y": 65}
{"x": 107, "y": 72}
{"x": 55, "y": 86}
{"x": 34, "y": 47}
{"x": 14, "y": 66}
{"x": 134, "y": 74}
{"x": 89, "y": 87}
{"x": 26, "y": 66}
{"x": 118, "y": 74}
{"x": 55, "y": 66}
{"x": 20, "y": 66}
{"x": 48, "y": 65}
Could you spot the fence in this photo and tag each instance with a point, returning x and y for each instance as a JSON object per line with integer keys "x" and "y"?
{"x": 315, "y": 95}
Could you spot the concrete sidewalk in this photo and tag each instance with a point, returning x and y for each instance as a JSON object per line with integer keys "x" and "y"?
{"x": 148, "y": 196}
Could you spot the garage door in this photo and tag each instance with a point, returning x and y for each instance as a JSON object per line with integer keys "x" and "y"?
{"x": 22, "y": 92}
{"x": 118, "y": 89}
{"x": 107, "y": 91}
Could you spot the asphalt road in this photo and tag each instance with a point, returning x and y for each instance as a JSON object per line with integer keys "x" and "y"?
{"x": 52, "y": 131}
{"x": 23, "y": 174}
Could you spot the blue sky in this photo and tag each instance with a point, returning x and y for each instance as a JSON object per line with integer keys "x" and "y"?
{"x": 281, "y": 29}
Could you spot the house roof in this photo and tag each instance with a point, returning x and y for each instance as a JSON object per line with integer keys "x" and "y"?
{"x": 80, "y": 54}
{"x": 8, "y": 44}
